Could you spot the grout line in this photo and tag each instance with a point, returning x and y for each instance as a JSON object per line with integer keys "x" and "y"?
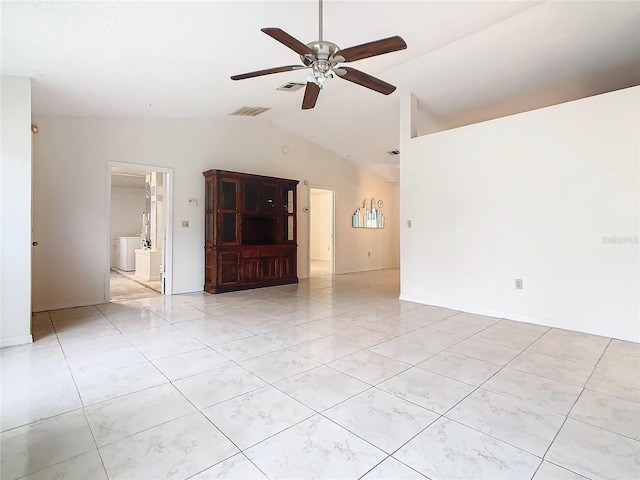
{"x": 572, "y": 407}
{"x": 495, "y": 438}
{"x": 604, "y": 429}
{"x": 321, "y": 412}
{"x": 59, "y": 463}
{"x": 374, "y": 467}
{"x": 442, "y": 415}
{"x": 564, "y": 468}
{"x": 95, "y": 442}
{"x": 562, "y": 426}
{"x": 538, "y": 468}
{"x": 73, "y": 377}
{"x": 329, "y": 300}
{"x": 596, "y": 365}
{"x": 400, "y": 462}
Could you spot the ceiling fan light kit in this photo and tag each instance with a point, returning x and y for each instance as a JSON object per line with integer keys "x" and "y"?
{"x": 323, "y": 58}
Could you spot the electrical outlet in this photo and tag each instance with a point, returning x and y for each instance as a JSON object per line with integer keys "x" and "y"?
{"x": 185, "y": 223}
{"x": 518, "y": 283}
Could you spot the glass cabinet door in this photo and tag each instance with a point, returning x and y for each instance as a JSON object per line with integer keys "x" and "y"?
{"x": 228, "y": 194}
{"x": 251, "y": 191}
{"x": 269, "y": 199}
{"x": 290, "y": 227}
{"x": 288, "y": 224}
{"x": 228, "y": 228}
{"x": 209, "y": 213}
{"x": 228, "y": 212}
{"x": 209, "y": 195}
{"x": 291, "y": 224}
{"x": 209, "y": 228}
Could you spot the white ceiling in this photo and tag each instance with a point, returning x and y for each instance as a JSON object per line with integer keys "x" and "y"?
{"x": 127, "y": 178}
{"x": 466, "y": 61}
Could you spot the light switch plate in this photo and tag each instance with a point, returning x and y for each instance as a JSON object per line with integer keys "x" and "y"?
{"x": 185, "y": 223}
{"x": 192, "y": 202}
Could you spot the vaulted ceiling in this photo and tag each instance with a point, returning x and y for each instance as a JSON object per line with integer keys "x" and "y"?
{"x": 466, "y": 61}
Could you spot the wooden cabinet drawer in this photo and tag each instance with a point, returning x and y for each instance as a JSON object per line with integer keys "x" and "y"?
{"x": 250, "y": 253}
{"x": 229, "y": 257}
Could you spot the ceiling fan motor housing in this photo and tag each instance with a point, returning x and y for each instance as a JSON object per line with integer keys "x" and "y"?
{"x": 323, "y": 51}
{"x": 323, "y": 62}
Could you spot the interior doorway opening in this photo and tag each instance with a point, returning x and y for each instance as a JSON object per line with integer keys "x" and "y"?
{"x": 321, "y": 231}
{"x": 139, "y": 234}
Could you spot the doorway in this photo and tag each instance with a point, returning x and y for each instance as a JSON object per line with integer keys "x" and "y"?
{"x": 321, "y": 231}
{"x": 139, "y": 238}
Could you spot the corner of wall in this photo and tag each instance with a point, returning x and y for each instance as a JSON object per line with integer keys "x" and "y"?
{"x": 15, "y": 206}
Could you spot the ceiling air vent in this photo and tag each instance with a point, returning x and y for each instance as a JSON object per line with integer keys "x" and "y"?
{"x": 290, "y": 87}
{"x": 394, "y": 152}
{"x": 249, "y": 111}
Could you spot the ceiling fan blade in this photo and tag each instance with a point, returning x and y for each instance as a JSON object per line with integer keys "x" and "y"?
{"x": 371, "y": 49}
{"x": 267, "y": 71}
{"x": 286, "y": 39}
{"x": 310, "y": 96}
{"x": 361, "y": 78}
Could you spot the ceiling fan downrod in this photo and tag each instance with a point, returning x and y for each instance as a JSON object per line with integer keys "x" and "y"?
{"x": 320, "y": 22}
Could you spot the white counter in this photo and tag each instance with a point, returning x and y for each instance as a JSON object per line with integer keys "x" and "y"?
{"x": 148, "y": 264}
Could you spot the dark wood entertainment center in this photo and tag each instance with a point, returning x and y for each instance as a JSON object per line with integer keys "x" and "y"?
{"x": 250, "y": 231}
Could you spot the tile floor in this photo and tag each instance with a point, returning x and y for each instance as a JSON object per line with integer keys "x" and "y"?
{"x": 331, "y": 378}
{"x": 320, "y": 267}
{"x": 152, "y": 284}
{"x": 126, "y": 286}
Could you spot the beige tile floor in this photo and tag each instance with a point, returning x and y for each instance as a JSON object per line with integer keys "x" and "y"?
{"x": 331, "y": 378}
{"x": 125, "y": 286}
{"x": 319, "y": 267}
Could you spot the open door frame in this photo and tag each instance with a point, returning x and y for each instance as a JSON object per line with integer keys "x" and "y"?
{"x": 333, "y": 226}
{"x": 167, "y": 254}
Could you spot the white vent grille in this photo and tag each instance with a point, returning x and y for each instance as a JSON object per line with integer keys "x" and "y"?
{"x": 290, "y": 87}
{"x": 394, "y": 152}
{"x": 249, "y": 111}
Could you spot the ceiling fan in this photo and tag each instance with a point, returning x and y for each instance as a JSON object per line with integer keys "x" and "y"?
{"x": 323, "y": 58}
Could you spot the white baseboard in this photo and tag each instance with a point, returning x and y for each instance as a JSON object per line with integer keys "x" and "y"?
{"x": 60, "y": 306}
{"x": 14, "y": 341}
{"x": 372, "y": 269}
{"x": 602, "y": 332}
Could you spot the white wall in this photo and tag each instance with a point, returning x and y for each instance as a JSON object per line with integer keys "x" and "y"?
{"x": 321, "y": 217}
{"x": 15, "y": 208}
{"x": 529, "y": 196}
{"x": 70, "y": 216}
{"x": 127, "y": 206}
